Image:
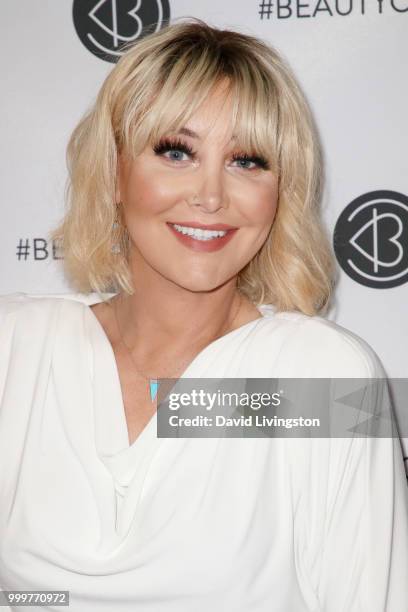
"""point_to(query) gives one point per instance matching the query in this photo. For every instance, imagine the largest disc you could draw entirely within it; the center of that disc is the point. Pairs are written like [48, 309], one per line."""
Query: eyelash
[165, 145]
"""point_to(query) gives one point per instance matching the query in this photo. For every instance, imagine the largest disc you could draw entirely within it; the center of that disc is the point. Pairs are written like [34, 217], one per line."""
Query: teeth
[198, 234]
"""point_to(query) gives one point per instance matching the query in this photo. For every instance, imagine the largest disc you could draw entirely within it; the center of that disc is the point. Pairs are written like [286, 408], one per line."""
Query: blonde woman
[192, 221]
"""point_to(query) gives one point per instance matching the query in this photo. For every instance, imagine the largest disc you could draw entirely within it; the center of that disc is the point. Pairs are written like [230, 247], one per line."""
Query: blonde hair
[157, 85]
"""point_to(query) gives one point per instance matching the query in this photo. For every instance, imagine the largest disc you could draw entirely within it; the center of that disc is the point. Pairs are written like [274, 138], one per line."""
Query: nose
[209, 189]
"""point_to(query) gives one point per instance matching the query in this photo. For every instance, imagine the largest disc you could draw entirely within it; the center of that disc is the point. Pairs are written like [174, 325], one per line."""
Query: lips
[196, 225]
[204, 246]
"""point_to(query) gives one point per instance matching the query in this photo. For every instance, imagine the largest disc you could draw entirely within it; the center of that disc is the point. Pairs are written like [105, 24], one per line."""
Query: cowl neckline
[89, 398]
[105, 361]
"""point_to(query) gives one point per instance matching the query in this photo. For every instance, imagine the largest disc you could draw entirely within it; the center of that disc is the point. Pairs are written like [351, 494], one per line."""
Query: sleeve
[362, 558]
[21, 326]
[9, 305]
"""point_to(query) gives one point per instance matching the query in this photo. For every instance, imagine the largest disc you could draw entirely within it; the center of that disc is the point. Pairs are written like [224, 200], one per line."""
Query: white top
[187, 524]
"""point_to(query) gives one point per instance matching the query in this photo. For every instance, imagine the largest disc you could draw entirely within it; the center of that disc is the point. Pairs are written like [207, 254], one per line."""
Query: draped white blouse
[189, 524]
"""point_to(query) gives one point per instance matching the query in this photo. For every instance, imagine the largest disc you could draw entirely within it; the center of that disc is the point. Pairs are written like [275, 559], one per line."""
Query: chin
[198, 284]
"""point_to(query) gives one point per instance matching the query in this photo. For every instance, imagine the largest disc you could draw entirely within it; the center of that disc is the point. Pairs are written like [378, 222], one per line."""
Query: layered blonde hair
[156, 85]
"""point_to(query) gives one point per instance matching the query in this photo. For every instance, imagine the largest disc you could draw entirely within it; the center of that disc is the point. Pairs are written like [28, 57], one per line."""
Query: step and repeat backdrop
[350, 58]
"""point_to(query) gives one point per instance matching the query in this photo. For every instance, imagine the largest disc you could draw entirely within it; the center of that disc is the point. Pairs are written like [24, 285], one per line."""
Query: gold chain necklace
[153, 382]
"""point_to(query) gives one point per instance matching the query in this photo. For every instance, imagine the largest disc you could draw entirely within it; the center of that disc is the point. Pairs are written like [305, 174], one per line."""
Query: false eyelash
[168, 144]
[257, 159]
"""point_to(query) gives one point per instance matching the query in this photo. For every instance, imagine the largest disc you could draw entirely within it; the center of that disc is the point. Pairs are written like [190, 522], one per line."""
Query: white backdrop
[350, 58]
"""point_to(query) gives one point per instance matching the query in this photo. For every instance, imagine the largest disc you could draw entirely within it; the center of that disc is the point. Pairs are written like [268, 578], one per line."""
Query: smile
[202, 240]
[198, 234]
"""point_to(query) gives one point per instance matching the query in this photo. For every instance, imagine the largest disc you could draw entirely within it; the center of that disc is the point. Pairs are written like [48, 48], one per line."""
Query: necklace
[153, 382]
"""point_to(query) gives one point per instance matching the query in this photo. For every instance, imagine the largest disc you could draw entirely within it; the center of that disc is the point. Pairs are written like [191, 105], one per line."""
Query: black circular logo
[104, 26]
[371, 239]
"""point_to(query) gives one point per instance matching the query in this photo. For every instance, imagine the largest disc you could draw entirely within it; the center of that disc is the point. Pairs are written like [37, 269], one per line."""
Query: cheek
[264, 200]
[150, 193]
[268, 208]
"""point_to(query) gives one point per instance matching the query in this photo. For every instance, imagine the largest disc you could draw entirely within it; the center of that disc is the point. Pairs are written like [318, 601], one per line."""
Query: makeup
[202, 238]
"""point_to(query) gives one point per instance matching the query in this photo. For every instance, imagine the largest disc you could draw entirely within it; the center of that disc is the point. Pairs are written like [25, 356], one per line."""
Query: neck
[162, 316]
[154, 320]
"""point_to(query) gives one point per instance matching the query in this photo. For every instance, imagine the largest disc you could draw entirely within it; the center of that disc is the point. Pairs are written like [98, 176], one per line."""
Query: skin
[184, 299]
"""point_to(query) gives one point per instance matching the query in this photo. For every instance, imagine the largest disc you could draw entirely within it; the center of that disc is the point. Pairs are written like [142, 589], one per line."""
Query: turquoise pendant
[153, 388]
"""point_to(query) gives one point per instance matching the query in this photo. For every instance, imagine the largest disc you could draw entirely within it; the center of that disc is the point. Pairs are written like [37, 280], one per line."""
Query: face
[197, 178]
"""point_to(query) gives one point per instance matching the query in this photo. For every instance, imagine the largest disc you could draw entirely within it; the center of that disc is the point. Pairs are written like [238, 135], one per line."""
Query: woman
[193, 195]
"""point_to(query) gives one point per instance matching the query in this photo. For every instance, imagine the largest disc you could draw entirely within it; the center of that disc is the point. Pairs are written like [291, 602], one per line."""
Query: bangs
[186, 84]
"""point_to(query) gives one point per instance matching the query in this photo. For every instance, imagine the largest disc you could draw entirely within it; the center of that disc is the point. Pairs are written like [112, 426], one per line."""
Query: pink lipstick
[204, 238]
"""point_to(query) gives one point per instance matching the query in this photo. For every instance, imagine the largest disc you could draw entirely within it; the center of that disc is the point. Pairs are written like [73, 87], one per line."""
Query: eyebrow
[192, 134]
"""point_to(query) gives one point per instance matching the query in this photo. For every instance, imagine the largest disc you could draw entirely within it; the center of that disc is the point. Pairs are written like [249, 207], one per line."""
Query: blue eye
[175, 148]
[260, 162]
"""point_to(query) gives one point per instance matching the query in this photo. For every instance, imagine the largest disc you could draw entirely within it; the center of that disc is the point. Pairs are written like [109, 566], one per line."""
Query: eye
[250, 162]
[173, 149]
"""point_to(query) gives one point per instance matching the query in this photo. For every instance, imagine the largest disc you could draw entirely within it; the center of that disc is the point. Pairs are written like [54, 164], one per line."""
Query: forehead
[211, 120]
[227, 112]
